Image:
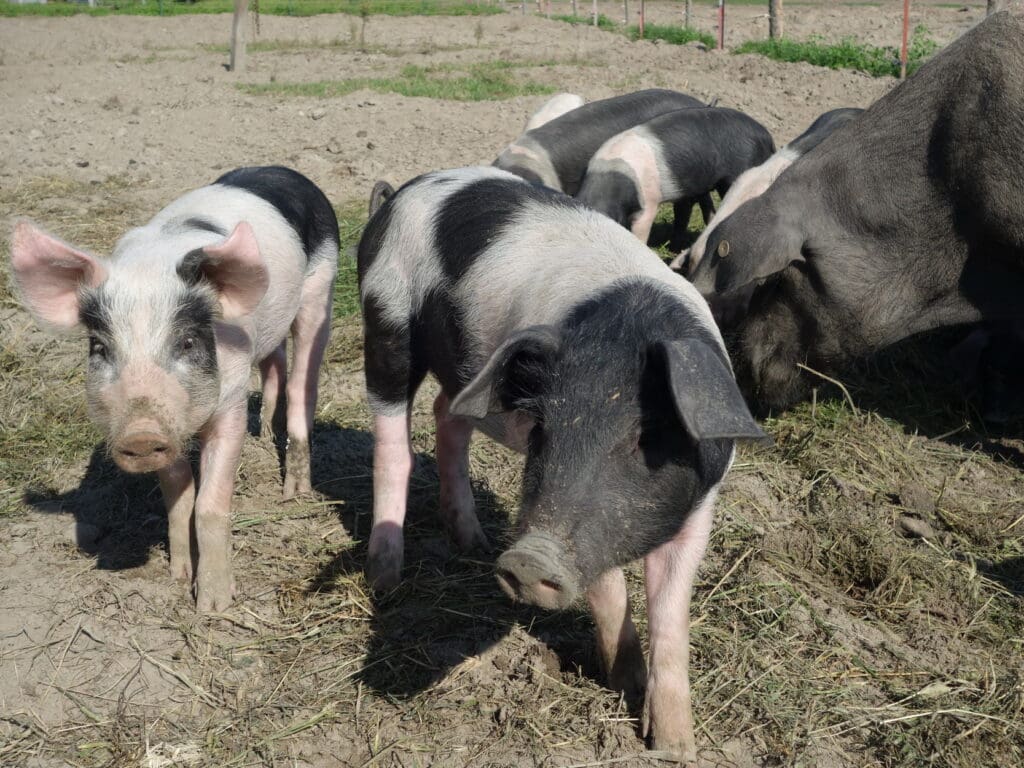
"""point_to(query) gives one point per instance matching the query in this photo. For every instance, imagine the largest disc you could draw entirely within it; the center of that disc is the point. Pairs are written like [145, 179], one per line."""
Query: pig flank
[907, 220]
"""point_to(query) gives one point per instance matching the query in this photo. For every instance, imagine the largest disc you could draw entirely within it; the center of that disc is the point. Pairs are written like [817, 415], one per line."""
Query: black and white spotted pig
[555, 331]
[556, 154]
[755, 181]
[176, 318]
[678, 157]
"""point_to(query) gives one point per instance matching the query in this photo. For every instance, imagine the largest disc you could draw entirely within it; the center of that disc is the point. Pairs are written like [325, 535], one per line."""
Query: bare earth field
[861, 602]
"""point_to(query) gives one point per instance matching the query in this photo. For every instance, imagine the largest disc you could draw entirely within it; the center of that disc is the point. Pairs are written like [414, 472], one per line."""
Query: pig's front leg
[392, 466]
[669, 571]
[178, 487]
[618, 645]
[458, 510]
[221, 448]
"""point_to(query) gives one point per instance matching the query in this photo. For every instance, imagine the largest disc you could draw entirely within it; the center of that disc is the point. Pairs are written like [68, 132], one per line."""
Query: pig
[554, 107]
[908, 219]
[379, 194]
[175, 319]
[755, 181]
[678, 157]
[556, 154]
[556, 332]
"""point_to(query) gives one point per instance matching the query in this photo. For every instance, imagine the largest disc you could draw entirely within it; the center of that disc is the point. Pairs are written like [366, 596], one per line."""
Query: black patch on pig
[471, 219]
[373, 236]
[392, 375]
[205, 225]
[94, 313]
[612, 193]
[438, 341]
[192, 338]
[190, 268]
[299, 200]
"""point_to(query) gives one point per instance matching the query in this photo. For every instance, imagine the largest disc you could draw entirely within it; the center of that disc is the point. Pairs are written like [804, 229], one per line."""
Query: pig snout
[144, 449]
[534, 571]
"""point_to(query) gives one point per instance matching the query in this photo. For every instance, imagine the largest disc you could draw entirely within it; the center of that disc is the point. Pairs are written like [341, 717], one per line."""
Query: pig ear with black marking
[705, 393]
[49, 273]
[235, 268]
[507, 375]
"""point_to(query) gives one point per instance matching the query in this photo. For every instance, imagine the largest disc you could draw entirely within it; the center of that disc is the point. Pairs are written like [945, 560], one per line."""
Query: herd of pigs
[528, 290]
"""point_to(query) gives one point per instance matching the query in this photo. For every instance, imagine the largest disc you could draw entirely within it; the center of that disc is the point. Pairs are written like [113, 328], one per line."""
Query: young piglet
[677, 157]
[556, 153]
[755, 181]
[556, 332]
[176, 318]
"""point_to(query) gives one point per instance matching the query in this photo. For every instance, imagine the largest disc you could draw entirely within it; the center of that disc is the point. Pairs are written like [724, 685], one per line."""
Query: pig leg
[670, 570]
[221, 448]
[178, 487]
[681, 211]
[311, 330]
[707, 207]
[622, 658]
[273, 371]
[457, 506]
[392, 467]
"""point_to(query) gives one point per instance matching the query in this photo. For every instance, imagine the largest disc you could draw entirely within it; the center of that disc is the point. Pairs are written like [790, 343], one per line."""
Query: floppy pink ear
[48, 274]
[238, 272]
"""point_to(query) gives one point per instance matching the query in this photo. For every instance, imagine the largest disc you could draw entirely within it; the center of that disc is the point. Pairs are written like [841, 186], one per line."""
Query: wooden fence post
[241, 18]
[687, 13]
[721, 25]
[775, 19]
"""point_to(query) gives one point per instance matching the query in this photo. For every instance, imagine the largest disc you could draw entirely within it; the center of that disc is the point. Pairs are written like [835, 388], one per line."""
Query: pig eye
[186, 344]
[97, 348]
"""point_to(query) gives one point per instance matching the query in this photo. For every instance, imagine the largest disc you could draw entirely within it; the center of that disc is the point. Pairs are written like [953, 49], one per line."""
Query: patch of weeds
[351, 220]
[603, 22]
[480, 82]
[847, 54]
[673, 35]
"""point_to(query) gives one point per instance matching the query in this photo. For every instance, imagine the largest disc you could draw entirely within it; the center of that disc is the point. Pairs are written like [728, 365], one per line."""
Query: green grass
[351, 220]
[847, 54]
[603, 22]
[670, 34]
[268, 7]
[478, 82]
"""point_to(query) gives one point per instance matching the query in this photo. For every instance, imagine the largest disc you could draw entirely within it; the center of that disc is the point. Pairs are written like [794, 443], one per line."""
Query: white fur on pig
[554, 107]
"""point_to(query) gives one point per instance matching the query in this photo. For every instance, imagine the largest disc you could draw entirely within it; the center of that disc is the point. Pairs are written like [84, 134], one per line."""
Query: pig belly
[510, 429]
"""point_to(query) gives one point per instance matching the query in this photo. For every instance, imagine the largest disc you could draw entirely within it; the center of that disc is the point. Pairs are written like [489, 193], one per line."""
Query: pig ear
[236, 269]
[705, 392]
[48, 274]
[381, 193]
[498, 382]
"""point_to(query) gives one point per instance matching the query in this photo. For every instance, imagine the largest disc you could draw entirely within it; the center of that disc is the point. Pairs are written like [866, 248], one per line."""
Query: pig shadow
[1009, 573]
[448, 607]
[119, 518]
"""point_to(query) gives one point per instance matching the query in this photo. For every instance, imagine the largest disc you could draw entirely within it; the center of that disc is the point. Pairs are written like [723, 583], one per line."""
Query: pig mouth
[535, 571]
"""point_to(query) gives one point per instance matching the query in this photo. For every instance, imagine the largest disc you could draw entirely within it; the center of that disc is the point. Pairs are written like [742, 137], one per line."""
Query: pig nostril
[509, 580]
[160, 449]
[553, 586]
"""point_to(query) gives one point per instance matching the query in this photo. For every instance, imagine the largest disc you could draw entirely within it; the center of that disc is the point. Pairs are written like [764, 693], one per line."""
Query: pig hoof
[679, 751]
[294, 488]
[209, 602]
[296, 469]
[181, 571]
[468, 535]
[383, 573]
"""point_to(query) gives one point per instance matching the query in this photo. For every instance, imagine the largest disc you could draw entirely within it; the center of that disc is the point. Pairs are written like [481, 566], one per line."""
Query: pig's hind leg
[669, 575]
[311, 331]
[457, 507]
[391, 384]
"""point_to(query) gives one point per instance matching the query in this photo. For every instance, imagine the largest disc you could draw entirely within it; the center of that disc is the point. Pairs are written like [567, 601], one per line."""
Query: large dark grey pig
[176, 318]
[908, 219]
[678, 157]
[755, 181]
[558, 333]
[556, 154]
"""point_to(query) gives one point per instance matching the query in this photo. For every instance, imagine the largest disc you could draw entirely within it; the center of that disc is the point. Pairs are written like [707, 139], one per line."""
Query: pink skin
[458, 510]
[311, 330]
[179, 491]
[670, 571]
[637, 153]
[274, 374]
[618, 645]
[392, 466]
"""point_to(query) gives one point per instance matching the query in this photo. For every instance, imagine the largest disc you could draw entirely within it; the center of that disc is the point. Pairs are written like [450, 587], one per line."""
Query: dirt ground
[861, 601]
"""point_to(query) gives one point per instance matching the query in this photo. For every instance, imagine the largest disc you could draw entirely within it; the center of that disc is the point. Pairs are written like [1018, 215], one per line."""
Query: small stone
[370, 145]
[318, 113]
[34, 134]
[360, 134]
[82, 163]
